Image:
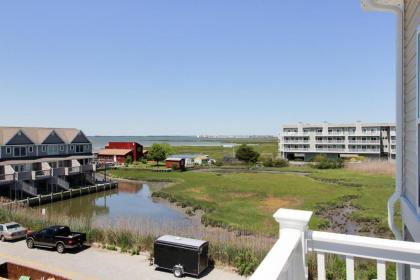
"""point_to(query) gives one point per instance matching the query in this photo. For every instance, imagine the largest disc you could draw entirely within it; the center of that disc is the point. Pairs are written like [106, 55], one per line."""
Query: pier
[63, 195]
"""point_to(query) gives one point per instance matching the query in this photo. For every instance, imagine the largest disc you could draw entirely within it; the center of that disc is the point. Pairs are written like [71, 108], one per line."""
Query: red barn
[178, 162]
[114, 155]
[136, 148]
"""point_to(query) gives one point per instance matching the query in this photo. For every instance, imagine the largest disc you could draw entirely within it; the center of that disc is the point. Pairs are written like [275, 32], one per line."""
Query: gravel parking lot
[93, 263]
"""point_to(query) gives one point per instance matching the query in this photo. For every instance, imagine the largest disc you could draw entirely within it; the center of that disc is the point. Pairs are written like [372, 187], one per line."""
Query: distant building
[194, 159]
[136, 148]
[37, 160]
[304, 141]
[174, 161]
[118, 152]
[118, 156]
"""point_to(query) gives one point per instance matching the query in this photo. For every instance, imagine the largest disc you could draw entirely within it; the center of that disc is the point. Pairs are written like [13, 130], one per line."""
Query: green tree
[247, 154]
[128, 160]
[158, 152]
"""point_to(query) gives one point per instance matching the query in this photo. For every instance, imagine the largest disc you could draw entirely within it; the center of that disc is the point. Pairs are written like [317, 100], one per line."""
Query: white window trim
[417, 71]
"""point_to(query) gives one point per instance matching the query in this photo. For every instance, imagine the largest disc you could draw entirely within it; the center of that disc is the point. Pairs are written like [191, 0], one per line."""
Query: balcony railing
[364, 150]
[286, 260]
[377, 142]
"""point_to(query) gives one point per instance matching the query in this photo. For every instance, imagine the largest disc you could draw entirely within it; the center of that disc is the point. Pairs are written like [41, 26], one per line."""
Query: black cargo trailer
[181, 255]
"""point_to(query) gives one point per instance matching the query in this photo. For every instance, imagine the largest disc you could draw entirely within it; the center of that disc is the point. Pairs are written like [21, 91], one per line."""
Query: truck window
[63, 231]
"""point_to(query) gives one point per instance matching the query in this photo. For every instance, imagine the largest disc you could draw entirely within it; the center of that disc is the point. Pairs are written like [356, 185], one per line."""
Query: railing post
[296, 220]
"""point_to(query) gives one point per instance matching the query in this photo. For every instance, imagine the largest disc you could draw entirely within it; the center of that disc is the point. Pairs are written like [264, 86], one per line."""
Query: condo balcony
[287, 259]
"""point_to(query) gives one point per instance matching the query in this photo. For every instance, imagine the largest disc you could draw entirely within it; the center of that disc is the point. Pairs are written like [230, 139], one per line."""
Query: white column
[296, 220]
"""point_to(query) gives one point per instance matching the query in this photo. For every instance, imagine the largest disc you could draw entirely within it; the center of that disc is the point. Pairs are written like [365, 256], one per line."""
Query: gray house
[43, 160]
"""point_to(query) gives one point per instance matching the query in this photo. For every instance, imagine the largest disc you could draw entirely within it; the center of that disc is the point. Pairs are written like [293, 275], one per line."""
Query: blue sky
[187, 67]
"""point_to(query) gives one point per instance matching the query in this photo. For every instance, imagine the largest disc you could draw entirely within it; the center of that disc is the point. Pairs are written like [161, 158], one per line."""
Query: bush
[268, 162]
[175, 166]
[218, 163]
[247, 153]
[330, 164]
[246, 263]
[281, 162]
[320, 158]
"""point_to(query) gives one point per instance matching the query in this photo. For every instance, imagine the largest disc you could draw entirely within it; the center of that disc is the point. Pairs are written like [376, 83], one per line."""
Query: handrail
[364, 247]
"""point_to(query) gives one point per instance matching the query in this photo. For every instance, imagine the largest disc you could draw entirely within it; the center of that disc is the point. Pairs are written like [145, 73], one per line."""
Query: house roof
[37, 135]
[114, 152]
[173, 159]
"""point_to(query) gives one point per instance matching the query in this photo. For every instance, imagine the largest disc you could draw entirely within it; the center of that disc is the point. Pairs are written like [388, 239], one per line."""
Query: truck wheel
[178, 271]
[30, 243]
[60, 248]
[2, 238]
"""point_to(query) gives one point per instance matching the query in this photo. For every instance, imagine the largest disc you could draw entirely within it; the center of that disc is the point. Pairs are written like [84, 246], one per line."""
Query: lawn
[246, 201]
[268, 148]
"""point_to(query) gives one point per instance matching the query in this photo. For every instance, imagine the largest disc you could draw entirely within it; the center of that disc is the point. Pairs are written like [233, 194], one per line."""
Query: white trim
[418, 117]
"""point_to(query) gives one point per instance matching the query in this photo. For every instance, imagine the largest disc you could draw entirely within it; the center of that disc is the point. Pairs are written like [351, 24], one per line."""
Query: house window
[71, 147]
[44, 149]
[19, 151]
[30, 149]
[8, 150]
[61, 148]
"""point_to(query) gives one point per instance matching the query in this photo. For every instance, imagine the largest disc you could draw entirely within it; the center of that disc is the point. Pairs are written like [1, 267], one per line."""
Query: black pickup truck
[58, 237]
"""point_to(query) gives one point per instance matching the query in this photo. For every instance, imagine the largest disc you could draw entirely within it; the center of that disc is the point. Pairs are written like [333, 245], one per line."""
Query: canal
[130, 202]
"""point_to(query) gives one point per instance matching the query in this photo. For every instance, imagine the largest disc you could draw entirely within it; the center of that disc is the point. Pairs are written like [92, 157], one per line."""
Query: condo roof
[313, 125]
[114, 152]
[37, 135]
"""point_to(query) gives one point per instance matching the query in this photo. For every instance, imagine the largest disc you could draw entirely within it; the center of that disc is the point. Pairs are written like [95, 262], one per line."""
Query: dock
[63, 195]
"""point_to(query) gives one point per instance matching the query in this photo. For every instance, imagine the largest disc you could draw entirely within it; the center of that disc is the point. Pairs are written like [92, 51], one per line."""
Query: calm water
[99, 142]
[131, 202]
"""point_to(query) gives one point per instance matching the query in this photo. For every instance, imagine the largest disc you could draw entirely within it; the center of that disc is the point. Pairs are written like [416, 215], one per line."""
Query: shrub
[218, 163]
[246, 263]
[320, 158]
[175, 166]
[281, 162]
[268, 162]
[330, 164]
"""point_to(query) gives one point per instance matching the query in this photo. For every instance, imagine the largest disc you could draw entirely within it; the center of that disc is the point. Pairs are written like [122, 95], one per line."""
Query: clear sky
[187, 67]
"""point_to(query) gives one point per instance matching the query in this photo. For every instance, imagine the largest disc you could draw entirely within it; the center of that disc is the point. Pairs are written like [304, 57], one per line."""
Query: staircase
[27, 188]
[62, 183]
[90, 178]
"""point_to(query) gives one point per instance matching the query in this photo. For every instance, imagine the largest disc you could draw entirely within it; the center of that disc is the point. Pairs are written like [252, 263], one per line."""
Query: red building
[178, 162]
[136, 148]
[114, 155]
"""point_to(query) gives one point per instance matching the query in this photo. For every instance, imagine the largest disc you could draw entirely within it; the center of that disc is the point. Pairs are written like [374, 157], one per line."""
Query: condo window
[61, 148]
[44, 149]
[30, 149]
[8, 150]
[71, 147]
[19, 152]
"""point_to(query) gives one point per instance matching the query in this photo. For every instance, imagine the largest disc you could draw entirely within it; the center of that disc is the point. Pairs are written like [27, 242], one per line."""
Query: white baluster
[320, 259]
[350, 268]
[381, 270]
[415, 272]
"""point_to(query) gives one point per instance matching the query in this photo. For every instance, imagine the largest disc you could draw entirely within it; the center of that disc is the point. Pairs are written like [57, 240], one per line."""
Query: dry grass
[381, 167]
[134, 236]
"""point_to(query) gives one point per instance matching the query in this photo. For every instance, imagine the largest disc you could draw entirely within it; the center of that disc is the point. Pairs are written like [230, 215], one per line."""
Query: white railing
[286, 260]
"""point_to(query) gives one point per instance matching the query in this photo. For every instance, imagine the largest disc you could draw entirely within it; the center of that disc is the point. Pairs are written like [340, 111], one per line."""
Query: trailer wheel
[178, 271]
[60, 248]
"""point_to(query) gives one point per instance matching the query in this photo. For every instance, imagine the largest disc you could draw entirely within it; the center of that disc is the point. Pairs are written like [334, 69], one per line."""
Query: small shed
[174, 161]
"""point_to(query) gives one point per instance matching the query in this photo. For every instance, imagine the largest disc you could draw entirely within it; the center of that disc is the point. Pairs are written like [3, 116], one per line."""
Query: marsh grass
[134, 236]
[381, 167]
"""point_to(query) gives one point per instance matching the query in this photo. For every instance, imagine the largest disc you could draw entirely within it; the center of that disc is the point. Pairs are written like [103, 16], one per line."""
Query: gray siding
[410, 158]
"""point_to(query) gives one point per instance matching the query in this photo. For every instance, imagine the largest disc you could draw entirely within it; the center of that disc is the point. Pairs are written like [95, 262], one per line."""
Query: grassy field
[268, 148]
[246, 201]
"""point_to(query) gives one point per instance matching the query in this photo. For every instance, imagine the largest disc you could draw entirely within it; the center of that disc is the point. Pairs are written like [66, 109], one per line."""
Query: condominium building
[37, 161]
[304, 141]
